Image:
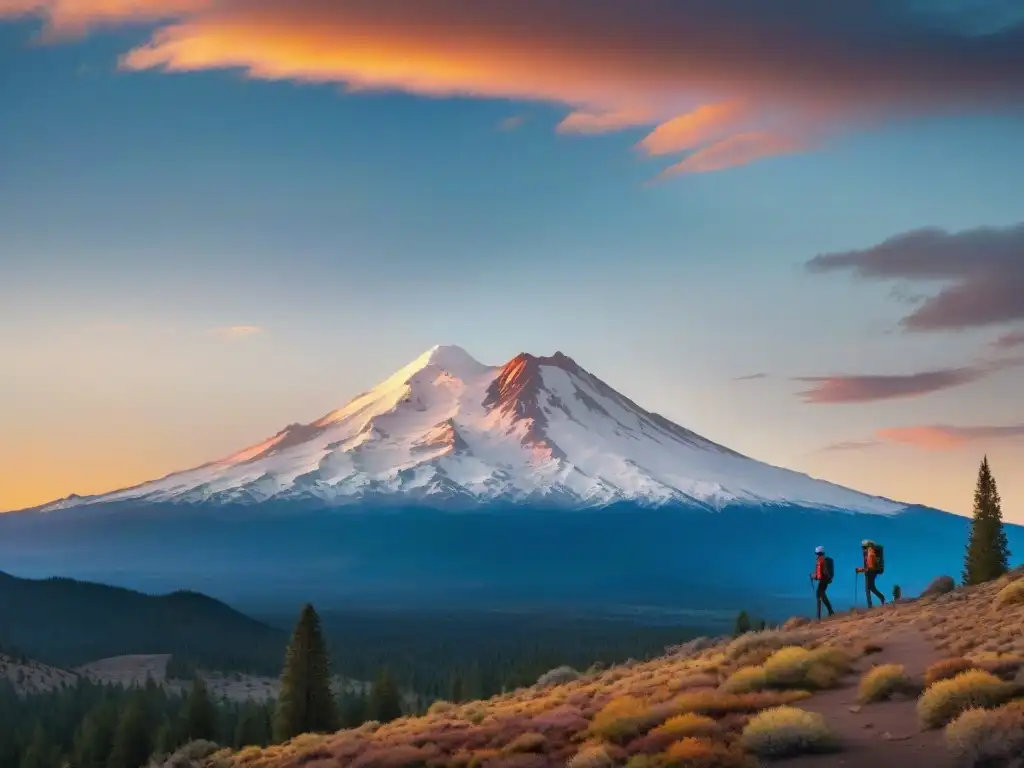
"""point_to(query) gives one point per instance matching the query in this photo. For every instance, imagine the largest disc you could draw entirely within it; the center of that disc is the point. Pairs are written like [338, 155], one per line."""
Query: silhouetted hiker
[873, 566]
[824, 571]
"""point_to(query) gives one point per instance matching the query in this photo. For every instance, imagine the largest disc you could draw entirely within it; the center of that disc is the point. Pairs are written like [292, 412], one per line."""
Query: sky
[796, 228]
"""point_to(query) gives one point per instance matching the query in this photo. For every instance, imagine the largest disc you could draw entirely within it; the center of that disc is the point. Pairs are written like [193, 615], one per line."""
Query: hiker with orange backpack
[824, 571]
[874, 565]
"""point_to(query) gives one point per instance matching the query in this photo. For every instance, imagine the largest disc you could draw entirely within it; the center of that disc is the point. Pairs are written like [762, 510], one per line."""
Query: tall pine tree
[199, 715]
[988, 551]
[385, 699]
[306, 703]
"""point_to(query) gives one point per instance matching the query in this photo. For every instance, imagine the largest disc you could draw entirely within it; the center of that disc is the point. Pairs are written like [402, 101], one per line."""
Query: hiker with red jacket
[824, 571]
[873, 566]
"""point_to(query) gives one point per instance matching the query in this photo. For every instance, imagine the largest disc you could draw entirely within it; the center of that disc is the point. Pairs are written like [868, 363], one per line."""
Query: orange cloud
[582, 121]
[68, 18]
[692, 129]
[614, 64]
[944, 437]
[741, 149]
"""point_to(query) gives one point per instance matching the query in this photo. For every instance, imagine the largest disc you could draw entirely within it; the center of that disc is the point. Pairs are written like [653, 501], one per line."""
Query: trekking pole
[856, 584]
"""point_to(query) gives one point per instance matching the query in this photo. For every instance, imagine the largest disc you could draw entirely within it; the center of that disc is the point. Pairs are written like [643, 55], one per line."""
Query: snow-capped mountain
[446, 427]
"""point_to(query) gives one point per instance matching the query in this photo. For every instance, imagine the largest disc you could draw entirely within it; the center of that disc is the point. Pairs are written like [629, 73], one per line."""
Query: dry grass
[883, 682]
[787, 731]
[983, 737]
[704, 753]
[746, 680]
[946, 699]
[624, 718]
[1011, 594]
[688, 724]
[676, 710]
[796, 667]
[946, 668]
[592, 756]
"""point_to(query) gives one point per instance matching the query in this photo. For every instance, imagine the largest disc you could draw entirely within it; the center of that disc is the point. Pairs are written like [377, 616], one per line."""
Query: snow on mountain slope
[536, 429]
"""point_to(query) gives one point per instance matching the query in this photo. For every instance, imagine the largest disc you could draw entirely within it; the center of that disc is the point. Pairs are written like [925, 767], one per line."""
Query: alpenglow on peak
[448, 430]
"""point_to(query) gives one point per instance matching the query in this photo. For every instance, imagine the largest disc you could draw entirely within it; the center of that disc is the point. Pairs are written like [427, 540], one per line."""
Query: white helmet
[819, 550]
[867, 543]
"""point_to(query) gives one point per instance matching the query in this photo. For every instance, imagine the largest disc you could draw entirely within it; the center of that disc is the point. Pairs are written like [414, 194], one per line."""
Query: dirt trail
[886, 734]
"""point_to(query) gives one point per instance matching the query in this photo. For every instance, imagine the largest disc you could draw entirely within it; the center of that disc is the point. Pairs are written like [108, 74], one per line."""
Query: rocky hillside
[868, 688]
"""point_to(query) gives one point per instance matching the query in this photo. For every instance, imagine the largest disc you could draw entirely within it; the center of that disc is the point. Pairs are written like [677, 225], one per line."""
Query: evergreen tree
[306, 703]
[988, 551]
[39, 753]
[458, 689]
[166, 739]
[94, 739]
[353, 710]
[385, 700]
[132, 742]
[742, 625]
[199, 716]
[253, 727]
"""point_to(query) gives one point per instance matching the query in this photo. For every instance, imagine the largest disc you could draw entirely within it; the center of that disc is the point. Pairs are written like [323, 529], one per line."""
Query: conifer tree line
[107, 726]
[988, 551]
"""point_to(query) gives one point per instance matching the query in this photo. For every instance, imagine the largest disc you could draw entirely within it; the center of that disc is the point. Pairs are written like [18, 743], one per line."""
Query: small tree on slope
[306, 703]
[988, 551]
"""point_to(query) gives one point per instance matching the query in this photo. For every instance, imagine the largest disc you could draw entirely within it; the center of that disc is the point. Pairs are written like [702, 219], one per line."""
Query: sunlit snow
[425, 431]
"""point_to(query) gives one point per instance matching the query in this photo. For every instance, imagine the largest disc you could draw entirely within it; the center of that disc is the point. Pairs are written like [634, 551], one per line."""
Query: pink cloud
[585, 122]
[934, 437]
[740, 149]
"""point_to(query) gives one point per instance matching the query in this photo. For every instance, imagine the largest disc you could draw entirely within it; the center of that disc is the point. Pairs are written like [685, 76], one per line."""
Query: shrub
[718, 703]
[687, 724]
[940, 586]
[769, 639]
[796, 667]
[981, 737]
[946, 699]
[526, 742]
[591, 756]
[1004, 667]
[882, 682]
[1011, 594]
[441, 707]
[946, 668]
[786, 731]
[557, 676]
[191, 755]
[623, 718]
[745, 680]
[696, 680]
[704, 753]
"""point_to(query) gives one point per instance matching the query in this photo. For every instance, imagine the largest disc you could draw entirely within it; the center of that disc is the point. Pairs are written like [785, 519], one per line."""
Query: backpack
[880, 551]
[829, 571]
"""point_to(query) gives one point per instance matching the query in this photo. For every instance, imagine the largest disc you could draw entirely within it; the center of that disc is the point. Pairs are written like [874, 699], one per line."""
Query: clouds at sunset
[933, 437]
[792, 72]
[850, 389]
[979, 274]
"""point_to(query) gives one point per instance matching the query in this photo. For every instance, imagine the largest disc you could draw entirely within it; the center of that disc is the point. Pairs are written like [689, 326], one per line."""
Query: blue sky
[143, 210]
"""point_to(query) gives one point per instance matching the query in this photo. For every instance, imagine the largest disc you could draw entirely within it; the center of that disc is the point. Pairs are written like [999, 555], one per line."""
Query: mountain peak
[447, 426]
[446, 357]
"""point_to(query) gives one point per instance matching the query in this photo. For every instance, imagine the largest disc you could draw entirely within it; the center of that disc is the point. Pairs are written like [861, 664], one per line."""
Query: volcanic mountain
[456, 484]
[448, 430]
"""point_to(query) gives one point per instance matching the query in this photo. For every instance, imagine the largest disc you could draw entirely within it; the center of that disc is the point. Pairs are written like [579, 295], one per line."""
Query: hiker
[873, 566]
[824, 571]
